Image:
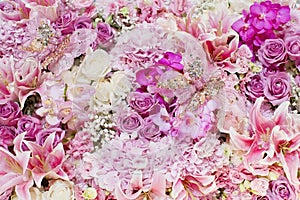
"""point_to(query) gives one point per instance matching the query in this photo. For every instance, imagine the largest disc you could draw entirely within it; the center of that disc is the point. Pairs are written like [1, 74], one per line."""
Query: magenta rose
[82, 23]
[272, 52]
[31, 125]
[129, 122]
[293, 46]
[42, 135]
[150, 131]
[9, 113]
[255, 87]
[278, 88]
[104, 33]
[7, 136]
[64, 23]
[281, 189]
[141, 102]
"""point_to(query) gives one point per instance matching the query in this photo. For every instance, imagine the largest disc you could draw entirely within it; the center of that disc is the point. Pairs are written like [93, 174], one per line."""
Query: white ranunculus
[95, 65]
[59, 189]
[120, 84]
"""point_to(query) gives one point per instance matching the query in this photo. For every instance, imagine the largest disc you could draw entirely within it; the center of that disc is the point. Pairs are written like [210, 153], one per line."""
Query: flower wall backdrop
[149, 100]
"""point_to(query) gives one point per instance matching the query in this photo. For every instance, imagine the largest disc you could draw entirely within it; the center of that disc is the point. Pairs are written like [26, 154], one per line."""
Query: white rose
[103, 91]
[95, 65]
[59, 189]
[35, 194]
[120, 84]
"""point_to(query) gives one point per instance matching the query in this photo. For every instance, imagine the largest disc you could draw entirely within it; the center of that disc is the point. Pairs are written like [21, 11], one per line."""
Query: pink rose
[7, 135]
[42, 135]
[82, 23]
[278, 88]
[64, 23]
[281, 189]
[30, 125]
[255, 87]
[293, 46]
[10, 113]
[78, 4]
[13, 10]
[272, 52]
[104, 33]
[150, 131]
[140, 102]
[129, 122]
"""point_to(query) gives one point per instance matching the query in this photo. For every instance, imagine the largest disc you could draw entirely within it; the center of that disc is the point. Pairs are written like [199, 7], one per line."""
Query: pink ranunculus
[7, 135]
[255, 87]
[277, 89]
[272, 52]
[260, 186]
[281, 189]
[140, 102]
[293, 46]
[10, 113]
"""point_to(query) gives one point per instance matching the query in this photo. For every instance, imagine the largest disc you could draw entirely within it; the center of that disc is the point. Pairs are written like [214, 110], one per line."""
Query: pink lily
[156, 190]
[275, 139]
[14, 170]
[46, 160]
[287, 150]
[193, 187]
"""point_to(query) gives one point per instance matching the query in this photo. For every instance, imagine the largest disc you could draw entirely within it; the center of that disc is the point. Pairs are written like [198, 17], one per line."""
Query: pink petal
[120, 195]
[240, 141]
[290, 163]
[159, 184]
[22, 190]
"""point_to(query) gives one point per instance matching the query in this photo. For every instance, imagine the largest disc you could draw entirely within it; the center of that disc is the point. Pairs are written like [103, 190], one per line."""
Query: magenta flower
[245, 30]
[104, 33]
[263, 15]
[148, 76]
[30, 125]
[7, 135]
[172, 60]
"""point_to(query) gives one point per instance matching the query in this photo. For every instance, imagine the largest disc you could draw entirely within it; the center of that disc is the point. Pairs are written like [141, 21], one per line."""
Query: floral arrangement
[149, 100]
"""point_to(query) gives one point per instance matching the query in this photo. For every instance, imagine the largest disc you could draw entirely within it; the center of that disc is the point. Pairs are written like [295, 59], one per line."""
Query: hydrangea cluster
[149, 99]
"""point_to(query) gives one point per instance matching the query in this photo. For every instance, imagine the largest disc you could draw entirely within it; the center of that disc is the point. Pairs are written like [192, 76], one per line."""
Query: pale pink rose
[260, 186]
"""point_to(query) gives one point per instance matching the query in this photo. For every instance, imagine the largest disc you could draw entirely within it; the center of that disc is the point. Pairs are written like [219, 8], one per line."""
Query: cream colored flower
[120, 84]
[94, 66]
[103, 92]
[35, 194]
[59, 189]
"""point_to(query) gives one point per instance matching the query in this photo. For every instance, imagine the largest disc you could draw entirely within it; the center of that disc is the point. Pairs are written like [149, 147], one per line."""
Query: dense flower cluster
[140, 100]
